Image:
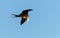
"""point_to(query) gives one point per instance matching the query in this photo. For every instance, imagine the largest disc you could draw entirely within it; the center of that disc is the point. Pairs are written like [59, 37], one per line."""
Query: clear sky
[44, 19]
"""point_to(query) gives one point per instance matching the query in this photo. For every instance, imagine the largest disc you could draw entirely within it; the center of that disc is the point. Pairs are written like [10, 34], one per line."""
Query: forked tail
[16, 15]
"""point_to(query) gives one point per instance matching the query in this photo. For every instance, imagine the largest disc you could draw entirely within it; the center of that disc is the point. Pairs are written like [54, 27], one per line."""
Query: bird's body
[24, 15]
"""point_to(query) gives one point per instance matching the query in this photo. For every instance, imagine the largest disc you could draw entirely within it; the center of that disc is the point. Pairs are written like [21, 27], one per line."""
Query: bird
[24, 15]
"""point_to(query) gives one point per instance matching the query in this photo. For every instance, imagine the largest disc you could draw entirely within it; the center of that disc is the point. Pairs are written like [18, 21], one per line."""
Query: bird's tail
[16, 15]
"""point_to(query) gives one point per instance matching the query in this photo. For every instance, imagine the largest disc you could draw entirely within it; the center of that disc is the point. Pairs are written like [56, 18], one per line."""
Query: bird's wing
[25, 12]
[23, 20]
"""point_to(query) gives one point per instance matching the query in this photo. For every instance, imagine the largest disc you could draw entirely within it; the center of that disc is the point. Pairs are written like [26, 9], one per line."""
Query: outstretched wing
[25, 12]
[23, 20]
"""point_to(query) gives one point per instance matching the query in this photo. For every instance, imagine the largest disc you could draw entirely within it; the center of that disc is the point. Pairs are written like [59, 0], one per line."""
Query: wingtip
[21, 24]
[30, 9]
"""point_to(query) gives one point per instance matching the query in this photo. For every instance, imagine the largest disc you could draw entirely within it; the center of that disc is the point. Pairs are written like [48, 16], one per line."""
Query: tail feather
[16, 15]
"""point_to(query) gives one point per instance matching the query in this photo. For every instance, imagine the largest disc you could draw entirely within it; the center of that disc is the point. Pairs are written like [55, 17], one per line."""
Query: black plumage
[24, 15]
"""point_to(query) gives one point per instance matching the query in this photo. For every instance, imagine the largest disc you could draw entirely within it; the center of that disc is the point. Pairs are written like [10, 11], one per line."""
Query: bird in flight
[24, 15]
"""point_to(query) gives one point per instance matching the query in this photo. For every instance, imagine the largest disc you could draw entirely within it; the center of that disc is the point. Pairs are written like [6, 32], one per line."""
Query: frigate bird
[24, 15]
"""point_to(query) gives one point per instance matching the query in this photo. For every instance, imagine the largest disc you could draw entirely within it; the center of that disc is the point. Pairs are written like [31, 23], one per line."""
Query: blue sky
[44, 19]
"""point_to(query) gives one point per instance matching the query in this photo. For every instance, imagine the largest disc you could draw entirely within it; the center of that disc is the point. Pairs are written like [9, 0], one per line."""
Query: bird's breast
[26, 17]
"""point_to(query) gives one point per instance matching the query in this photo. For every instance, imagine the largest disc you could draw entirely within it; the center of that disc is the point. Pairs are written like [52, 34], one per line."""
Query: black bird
[24, 15]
